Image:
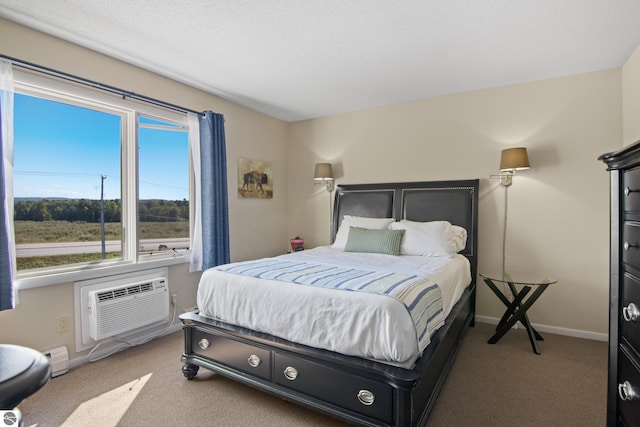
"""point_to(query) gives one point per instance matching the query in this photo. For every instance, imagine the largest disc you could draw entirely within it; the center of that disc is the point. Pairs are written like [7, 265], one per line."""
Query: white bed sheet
[331, 319]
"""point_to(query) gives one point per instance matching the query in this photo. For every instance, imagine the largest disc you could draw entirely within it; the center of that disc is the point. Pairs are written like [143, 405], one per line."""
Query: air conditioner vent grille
[123, 292]
[118, 309]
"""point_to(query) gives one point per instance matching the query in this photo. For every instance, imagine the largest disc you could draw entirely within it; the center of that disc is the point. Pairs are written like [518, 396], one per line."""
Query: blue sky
[62, 151]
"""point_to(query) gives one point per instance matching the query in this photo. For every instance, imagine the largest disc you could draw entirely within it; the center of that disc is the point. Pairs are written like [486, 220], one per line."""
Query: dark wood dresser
[623, 388]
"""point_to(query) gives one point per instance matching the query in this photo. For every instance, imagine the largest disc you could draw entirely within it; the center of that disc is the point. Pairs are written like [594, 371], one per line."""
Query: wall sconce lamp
[324, 175]
[512, 160]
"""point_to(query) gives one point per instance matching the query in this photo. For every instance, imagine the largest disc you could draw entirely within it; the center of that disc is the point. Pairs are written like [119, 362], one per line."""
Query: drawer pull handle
[628, 245]
[254, 360]
[628, 191]
[366, 397]
[630, 313]
[626, 392]
[290, 373]
[204, 343]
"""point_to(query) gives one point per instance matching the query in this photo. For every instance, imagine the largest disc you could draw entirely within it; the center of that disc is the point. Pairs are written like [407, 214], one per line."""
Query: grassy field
[27, 263]
[66, 231]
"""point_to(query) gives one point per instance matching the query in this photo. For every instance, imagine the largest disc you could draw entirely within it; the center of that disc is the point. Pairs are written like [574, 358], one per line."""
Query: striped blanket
[420, 295]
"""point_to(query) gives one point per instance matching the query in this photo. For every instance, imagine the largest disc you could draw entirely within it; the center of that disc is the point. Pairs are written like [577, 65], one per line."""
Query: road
[47, 249]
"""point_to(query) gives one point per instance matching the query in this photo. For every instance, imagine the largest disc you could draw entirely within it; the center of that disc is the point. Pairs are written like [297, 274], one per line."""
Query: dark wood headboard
[453, 201]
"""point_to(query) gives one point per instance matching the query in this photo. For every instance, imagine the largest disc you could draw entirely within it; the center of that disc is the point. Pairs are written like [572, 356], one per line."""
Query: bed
[390, 386]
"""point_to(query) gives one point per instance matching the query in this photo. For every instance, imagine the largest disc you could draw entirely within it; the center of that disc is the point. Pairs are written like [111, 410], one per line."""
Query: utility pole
[104, 252]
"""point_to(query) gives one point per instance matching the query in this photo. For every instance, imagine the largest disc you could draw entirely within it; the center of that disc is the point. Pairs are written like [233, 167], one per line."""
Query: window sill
[43, 280]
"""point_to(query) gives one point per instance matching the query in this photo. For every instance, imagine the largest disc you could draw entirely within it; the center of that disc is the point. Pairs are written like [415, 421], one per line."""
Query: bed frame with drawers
[359, 391]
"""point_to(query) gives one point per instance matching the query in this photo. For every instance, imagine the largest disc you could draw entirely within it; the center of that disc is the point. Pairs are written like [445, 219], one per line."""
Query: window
[97, 180]
[163, 189]
[66, 183]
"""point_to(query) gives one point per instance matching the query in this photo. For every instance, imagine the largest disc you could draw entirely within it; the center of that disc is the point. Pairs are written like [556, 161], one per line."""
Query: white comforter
[360, 324]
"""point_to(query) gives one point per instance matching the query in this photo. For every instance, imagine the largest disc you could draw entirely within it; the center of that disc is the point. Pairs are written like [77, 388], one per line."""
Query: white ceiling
[300, 59]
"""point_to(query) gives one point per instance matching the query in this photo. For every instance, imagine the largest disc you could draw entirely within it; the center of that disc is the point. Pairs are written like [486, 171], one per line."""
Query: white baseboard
[78, 361]
[596, 336]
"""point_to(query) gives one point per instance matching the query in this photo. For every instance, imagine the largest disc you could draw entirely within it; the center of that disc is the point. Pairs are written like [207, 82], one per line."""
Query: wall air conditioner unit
[118, 309]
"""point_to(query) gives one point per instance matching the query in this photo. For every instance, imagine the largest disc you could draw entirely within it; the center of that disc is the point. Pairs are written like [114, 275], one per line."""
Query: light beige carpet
[504, 384]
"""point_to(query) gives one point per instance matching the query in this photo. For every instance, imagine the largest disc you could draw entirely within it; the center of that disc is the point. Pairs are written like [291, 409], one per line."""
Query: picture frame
[255, 179]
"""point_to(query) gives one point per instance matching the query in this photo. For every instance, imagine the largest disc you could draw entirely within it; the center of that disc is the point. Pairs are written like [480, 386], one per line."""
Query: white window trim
[57, 278]
[57, 90]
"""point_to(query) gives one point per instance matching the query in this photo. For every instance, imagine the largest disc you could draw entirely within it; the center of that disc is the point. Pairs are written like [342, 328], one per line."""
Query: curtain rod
[97, 85]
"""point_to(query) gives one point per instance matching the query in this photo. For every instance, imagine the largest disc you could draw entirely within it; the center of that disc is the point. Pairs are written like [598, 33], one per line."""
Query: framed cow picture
[255, 179]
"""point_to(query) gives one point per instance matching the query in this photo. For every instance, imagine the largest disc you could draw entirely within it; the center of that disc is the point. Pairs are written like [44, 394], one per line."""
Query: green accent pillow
[374, 241]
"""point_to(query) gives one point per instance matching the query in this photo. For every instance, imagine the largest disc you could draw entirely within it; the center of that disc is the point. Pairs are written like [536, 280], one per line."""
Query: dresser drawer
[367, 397]
[630, 311]
[244, 357]
[631, 190]
[631, 243]
[628, 385]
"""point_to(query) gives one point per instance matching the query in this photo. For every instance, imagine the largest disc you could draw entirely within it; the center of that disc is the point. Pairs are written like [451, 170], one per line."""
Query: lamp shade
[323, 171]
[514, 159]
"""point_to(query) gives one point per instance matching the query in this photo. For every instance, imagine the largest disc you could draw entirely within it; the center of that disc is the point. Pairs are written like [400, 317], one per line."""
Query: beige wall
[558, 210]
[248, 133]
[631, 98]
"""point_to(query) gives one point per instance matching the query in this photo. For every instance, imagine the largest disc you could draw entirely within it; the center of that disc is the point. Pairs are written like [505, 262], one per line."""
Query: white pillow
[433, 238]
[459, 237]
[360, 222]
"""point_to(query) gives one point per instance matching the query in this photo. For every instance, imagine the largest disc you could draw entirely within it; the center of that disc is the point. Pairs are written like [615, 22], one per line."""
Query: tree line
[89, 210]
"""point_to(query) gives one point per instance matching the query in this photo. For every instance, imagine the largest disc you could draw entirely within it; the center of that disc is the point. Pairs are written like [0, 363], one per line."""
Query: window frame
[129, 110]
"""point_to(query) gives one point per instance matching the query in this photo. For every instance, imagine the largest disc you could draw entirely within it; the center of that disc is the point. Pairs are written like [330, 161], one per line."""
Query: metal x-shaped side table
[517, 309]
